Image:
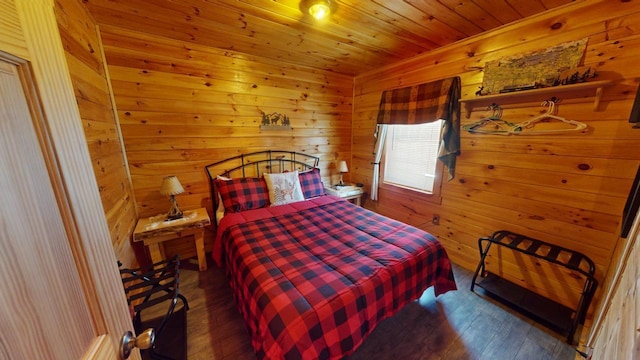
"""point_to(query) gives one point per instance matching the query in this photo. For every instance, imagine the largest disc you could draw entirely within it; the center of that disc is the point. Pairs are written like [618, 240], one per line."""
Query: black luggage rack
[550, 313]
[151, 288]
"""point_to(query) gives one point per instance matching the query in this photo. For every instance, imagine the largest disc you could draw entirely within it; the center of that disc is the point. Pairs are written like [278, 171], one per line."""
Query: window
[410, 156]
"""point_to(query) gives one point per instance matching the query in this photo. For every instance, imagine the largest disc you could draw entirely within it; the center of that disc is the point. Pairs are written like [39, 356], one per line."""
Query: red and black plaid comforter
[312, 279]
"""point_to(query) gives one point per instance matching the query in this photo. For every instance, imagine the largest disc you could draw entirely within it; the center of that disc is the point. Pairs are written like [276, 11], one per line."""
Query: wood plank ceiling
[359, 36]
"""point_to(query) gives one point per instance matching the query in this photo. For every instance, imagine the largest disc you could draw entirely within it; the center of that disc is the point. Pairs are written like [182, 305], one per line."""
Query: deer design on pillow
[285, 191]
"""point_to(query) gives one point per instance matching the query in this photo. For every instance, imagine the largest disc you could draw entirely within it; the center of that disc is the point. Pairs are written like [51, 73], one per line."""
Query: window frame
[434, 197]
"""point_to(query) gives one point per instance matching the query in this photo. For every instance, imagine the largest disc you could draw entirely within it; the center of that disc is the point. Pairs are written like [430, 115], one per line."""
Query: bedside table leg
[202, 259]
[156, 251]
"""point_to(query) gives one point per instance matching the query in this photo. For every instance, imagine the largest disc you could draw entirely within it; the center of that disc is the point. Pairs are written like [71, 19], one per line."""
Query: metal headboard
[257, 163]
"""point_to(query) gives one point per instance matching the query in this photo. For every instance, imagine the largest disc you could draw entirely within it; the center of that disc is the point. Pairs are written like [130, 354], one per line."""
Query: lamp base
[174, 216]
[175, 212]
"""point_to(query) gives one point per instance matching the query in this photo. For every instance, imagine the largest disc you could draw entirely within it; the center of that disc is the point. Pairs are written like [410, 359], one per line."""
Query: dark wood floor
[457, 325]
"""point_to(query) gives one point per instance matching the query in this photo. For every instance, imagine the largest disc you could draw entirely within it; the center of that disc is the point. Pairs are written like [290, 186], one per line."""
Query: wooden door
[46, 309]
[61, 296]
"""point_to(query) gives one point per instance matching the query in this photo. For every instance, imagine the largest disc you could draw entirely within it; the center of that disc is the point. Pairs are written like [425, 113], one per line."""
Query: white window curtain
[381, 133]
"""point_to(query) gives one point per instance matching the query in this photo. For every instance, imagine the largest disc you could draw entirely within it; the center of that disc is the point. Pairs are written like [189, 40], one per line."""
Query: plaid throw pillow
[243, 194]
[311, 183]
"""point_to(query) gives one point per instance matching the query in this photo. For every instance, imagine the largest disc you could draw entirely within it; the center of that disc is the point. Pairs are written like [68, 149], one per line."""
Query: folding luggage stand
[155, 285]
[550, 313]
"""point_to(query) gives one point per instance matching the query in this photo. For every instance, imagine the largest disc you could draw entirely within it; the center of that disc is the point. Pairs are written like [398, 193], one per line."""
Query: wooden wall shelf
[539, 94]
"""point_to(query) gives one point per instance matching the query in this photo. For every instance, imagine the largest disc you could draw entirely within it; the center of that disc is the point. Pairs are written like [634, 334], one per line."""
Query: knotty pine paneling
[358, 37]
[84, 58]
[566, 189]
[182, 106]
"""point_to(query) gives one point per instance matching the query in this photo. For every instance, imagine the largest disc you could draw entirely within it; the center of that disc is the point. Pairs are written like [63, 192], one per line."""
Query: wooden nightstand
[156, 229]
[348, 192]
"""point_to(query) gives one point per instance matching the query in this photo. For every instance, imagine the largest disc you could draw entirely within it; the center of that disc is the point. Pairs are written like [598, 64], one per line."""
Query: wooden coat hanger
[528, 127]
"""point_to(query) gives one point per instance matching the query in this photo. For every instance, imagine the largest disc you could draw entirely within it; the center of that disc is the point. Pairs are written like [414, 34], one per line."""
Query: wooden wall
[182, 106]
[565, 189]
[85, 61]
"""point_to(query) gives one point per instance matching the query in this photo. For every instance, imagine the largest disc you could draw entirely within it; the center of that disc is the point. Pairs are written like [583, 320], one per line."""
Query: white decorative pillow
[284, 188]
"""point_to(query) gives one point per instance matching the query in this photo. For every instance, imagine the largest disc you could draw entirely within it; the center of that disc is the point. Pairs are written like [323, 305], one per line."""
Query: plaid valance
[426, 103]
[420, 103]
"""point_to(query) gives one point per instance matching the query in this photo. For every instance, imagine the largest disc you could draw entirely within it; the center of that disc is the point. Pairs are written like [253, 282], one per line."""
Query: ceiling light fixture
[320, 9]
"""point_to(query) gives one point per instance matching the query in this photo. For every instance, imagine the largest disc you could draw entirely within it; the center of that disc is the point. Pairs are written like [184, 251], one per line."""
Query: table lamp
[171, 187]
[342, 168]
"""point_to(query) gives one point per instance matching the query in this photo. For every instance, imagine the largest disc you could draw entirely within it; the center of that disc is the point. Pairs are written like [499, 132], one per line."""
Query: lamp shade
[342, 166]
[171, 186]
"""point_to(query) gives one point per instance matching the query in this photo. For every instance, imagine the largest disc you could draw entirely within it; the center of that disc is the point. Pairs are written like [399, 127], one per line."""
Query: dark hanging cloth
[425, 103]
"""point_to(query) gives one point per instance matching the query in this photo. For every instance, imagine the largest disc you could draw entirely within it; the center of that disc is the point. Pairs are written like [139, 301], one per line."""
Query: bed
[313, 277]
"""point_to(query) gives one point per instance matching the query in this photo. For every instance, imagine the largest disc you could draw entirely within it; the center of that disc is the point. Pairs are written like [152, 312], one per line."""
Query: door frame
[49, 91]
